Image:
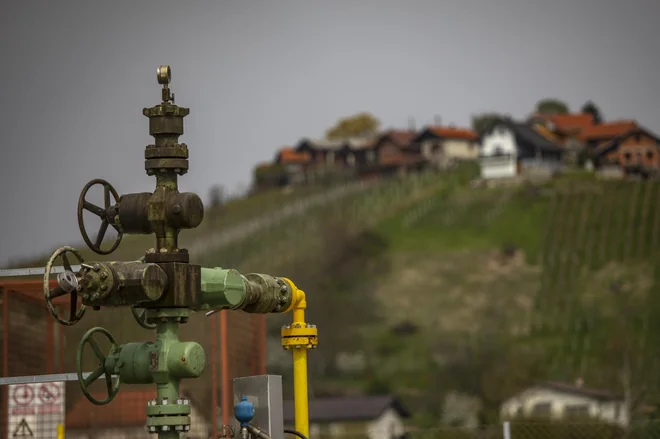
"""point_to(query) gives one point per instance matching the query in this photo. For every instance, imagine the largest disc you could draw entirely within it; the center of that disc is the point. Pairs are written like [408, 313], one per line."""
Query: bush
[578, 429]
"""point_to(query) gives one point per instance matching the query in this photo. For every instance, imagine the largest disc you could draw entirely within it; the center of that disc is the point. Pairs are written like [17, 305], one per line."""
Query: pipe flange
[181, 255]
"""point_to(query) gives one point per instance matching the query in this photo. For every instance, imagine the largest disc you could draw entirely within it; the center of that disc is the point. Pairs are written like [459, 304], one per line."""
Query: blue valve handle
[244, 412]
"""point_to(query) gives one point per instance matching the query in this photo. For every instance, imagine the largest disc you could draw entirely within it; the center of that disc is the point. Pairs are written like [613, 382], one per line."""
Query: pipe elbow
[298, 298]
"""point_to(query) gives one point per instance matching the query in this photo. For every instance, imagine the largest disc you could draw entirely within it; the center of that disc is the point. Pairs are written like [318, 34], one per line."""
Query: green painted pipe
[253, 292]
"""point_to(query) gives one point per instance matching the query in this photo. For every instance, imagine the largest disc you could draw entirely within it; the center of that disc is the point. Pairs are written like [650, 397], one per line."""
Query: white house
[372, 417]
[561, 401]
[444, 145]
[509, 149]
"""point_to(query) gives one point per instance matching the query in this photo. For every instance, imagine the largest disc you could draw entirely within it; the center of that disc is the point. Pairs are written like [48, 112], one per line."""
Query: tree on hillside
[551, 106]
[590, 108]
[216, 196]
[481, 122]
[358, 125]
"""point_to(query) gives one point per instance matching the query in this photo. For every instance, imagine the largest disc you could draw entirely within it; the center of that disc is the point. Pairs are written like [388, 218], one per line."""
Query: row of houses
[550, 144]
[506, 148]
[387, 153]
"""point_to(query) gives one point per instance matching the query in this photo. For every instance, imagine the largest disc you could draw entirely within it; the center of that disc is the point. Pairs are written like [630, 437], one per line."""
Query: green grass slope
[425, 284]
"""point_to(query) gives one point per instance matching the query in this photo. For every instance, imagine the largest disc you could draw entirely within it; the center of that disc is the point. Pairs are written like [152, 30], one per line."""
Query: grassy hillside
[426, 284]
[548, 281]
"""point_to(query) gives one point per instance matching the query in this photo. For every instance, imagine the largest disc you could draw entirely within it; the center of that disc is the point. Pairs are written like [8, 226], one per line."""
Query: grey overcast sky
[257, 75]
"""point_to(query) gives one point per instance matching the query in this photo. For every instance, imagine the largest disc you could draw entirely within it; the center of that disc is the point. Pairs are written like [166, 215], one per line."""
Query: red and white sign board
[35, 410]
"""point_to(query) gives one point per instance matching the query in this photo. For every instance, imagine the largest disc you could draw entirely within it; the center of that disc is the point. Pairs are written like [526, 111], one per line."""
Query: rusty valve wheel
[67, 284]
[106, 213]
[101, 370]
[140, 315]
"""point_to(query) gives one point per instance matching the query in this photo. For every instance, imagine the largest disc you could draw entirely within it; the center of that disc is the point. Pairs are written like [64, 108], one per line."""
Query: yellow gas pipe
[299, 337]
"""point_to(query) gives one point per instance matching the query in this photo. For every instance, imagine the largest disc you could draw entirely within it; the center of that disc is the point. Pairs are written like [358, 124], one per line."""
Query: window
[649, 155]
[627, 156]
[577, 411]
[542, 409]
[498, 150]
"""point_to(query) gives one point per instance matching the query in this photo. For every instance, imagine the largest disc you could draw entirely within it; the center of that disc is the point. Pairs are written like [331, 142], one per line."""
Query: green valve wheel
[102, 369]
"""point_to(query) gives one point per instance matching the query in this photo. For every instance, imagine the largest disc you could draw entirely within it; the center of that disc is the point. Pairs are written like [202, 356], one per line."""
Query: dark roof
[614, 143]
[448, 132]
[361, 408]
[401, 138]
[601, 395]
[527, 135]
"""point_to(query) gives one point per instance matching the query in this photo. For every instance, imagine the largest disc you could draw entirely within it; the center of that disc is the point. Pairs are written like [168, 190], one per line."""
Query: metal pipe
[60, 341]
[167, 330]
[299, 337]
[32, 379]
[39, 271]
[262, 345]
[214, 377]
[300, 391]
[224, 364]
[50, 354]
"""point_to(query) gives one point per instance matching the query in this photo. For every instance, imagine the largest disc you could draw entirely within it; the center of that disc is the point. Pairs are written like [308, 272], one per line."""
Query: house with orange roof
[124, 417]
[444, 145]
[636, 152]
[593, 136]
[563, 129]
[294, 164]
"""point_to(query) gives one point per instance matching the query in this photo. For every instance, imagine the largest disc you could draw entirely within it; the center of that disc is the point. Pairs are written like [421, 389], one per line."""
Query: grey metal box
[265, 392]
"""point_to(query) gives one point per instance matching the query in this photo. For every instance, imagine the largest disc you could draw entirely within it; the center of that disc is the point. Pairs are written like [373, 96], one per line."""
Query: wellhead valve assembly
[163, 288]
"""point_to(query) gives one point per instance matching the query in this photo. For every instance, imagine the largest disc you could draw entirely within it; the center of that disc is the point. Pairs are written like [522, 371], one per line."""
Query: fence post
[214, 377]
[506, 428]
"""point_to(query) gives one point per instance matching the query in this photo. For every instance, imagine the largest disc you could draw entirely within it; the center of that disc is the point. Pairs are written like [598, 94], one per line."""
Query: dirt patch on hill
[460, 291]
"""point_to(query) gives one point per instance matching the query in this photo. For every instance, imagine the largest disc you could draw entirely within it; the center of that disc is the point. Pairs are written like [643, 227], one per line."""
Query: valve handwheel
[67, 283]
[101, 370]
[107, 218]
[140, 315]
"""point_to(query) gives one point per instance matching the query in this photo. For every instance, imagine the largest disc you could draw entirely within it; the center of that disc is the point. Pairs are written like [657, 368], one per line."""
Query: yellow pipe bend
[299, 338]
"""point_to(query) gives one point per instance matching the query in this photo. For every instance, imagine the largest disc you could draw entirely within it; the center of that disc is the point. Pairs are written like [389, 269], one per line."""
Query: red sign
[23, 395]
[49, 393]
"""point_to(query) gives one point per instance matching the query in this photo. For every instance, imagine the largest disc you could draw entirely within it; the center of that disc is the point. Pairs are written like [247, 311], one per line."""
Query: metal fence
[505, 430]
[32, 343]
